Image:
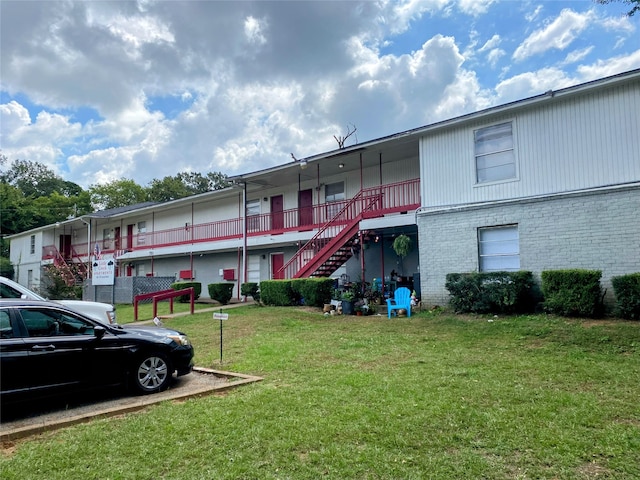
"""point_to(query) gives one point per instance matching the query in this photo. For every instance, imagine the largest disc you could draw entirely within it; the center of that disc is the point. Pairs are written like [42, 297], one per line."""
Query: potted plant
[402, 247]
[348, 297]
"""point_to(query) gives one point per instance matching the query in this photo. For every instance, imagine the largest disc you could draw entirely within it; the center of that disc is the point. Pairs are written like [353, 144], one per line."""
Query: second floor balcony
[392, 198]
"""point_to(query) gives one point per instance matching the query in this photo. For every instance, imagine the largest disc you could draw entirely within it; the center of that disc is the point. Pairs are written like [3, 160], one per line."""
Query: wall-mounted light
[303, 164]
[341, 165]
[265, 199]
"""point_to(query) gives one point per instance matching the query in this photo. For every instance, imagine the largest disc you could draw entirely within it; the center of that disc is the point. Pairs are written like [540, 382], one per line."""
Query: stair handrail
[333, 222]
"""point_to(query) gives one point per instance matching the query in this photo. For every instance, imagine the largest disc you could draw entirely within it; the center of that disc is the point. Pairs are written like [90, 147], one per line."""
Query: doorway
[277, 262]
[277, 212]
[305, 207]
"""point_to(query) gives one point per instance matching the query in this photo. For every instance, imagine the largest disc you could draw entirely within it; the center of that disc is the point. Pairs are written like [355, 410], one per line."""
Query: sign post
[221, 316]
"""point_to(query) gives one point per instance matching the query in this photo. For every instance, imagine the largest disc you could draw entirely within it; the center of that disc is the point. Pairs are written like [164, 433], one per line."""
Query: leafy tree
[12, 204]
[35, 179]
[118, 193]
[634, 4]
[6, 268]
[185, 184]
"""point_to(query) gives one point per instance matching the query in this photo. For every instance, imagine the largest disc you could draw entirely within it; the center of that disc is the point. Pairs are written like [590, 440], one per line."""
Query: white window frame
[499, 248]
[253, 215]
[494, 154]
[332, 198]
[142, 232]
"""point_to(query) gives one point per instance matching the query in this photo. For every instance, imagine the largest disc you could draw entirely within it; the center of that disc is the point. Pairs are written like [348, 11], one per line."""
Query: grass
[431, 396]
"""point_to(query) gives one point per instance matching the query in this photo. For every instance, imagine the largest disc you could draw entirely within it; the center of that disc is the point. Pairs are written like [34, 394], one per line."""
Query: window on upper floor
[334, 193]
[32, 244]
[107, 234]
[499, 248]
[494, 153]
[142, 232]
[253, 215]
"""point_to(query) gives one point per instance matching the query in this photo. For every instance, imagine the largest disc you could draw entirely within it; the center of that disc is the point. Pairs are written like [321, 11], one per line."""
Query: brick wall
[594, 230]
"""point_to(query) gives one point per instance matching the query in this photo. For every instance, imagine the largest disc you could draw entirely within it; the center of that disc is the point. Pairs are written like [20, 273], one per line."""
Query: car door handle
[43, 348]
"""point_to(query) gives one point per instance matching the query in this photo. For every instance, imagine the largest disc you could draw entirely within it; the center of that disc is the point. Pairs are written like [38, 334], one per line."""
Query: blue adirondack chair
[401, 299]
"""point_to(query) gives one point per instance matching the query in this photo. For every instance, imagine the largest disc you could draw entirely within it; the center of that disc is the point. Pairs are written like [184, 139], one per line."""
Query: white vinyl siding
[495, 157]
[499, 248]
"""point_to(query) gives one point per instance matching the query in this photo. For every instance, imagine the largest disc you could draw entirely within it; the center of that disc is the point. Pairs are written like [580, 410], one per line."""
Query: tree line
[32, 195]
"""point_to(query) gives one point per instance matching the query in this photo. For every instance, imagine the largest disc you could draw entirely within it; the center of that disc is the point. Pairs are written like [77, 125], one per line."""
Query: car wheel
[151, 373]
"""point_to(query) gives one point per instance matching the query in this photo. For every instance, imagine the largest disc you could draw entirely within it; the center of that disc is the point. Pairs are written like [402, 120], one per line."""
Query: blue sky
[100, 91]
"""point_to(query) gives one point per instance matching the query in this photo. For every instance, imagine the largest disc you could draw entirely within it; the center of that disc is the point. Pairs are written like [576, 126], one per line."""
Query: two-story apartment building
[334, 214]
[548, 182]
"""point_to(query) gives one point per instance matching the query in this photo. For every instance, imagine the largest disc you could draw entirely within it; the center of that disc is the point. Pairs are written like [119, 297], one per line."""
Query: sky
[100, 91]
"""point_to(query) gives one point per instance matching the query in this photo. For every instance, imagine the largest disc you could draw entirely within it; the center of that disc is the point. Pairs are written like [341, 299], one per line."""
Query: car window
[6, 329]
[9, 292]
[48, 323]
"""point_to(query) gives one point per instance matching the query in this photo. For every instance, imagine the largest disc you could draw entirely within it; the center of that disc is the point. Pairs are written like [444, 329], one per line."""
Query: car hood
[145, 331]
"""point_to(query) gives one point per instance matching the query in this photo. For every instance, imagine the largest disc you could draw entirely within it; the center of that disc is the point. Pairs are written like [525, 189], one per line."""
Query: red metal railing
[394, 197]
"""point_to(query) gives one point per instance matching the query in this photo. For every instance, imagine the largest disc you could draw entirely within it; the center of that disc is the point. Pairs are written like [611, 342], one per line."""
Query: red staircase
[333, 245]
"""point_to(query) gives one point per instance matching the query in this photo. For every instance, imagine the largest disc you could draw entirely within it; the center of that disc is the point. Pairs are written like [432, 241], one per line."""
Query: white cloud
[247, 83]
[253, 30]
[577, 55]
[558, 34]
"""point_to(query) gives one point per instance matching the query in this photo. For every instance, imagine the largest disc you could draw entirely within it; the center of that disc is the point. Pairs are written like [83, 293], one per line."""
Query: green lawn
[426, 397]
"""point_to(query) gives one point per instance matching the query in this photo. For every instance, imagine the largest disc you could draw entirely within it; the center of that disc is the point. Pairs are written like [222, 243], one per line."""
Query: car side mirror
[98, 331]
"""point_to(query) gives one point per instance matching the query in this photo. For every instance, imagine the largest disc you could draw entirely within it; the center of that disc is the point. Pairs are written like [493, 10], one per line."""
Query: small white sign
[221, 316]
[102, 272]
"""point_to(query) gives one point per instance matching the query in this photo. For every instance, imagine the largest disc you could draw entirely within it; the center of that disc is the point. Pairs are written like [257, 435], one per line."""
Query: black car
[46, 348]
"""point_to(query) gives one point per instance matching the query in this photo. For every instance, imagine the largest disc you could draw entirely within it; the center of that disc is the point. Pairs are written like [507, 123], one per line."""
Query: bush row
[313, 292]
[572, 292]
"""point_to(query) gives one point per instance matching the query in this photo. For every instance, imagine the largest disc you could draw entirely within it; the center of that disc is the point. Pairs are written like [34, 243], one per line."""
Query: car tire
[151, 373]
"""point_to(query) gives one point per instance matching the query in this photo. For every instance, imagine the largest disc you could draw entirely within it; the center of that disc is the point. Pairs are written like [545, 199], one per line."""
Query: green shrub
[6, 268]
[627, 292]
[494, 292]
[276, 292]
[573, 293]
[315, 291]
[197, 290]
[221, 292]
[251, 289]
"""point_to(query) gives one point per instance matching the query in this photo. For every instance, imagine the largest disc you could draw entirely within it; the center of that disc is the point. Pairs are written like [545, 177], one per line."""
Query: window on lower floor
[499, 248]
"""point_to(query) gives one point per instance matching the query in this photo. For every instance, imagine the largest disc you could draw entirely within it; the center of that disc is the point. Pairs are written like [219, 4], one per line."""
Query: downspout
[244, 237]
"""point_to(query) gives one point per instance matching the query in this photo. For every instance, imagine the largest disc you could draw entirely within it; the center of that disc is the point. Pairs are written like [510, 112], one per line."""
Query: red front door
[277, 215]
[277, 262]
[305, 207]
[130, 237]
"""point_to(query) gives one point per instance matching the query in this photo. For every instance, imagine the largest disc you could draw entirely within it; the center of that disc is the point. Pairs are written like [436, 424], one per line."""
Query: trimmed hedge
[221, 292]
[491, 292]
[277, 293]
[251, 289]
[573, 292]
[627, 292]
[197, 290]
[313, 292]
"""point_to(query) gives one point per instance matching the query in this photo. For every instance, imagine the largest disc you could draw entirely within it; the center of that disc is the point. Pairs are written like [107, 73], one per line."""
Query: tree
[118, 193]
[35, 179]
[185, 184]
[634, 4]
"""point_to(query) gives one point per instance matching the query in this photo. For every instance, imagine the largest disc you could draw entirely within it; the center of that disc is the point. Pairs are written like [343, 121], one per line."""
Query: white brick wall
[595, 230]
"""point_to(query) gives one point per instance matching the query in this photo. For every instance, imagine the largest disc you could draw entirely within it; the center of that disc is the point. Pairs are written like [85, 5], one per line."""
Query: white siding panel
[561, 145]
